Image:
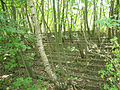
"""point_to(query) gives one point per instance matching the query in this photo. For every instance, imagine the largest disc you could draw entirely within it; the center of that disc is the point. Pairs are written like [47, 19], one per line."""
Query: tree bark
[86, 17]
[40, 44]
[13, 10]
[117, 18]
[94, 17]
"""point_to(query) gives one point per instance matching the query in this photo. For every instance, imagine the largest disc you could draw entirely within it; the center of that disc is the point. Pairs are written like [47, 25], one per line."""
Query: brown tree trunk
[86, 17]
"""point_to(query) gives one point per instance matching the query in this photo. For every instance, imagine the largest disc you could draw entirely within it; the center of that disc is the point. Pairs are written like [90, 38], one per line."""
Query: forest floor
[78, 73]
[75, 72]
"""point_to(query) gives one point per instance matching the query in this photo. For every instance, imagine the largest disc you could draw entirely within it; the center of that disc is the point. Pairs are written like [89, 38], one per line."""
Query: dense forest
[59, 44]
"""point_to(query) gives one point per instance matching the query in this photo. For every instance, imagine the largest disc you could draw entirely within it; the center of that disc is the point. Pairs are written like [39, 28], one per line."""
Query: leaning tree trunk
[40, 44]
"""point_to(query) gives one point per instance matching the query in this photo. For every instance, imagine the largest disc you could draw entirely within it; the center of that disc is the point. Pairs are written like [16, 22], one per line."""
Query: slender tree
[86, 17]
[110, 30]
[117, 18]
[112, 13]
[63, 17]
[59, 23]
[40, 44]
[55, 21]
[13, 9]
[94, 17]
[3, 5]
[43, 18]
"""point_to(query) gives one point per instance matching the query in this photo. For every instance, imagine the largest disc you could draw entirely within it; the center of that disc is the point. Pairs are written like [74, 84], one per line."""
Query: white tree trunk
[40, 44]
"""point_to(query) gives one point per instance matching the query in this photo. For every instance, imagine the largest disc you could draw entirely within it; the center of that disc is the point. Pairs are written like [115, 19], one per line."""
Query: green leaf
[69, 78]
[28, 47]
[113, 39]
[6, 66]
[106, 86]
[75, 8]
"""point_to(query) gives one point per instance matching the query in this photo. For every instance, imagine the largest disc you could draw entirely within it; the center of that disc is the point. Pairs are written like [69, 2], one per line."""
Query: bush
[12, 42]
[112, 72]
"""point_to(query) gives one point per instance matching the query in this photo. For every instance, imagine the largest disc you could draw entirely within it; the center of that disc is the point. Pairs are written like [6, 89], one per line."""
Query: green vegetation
[59, 44]
[112, 72]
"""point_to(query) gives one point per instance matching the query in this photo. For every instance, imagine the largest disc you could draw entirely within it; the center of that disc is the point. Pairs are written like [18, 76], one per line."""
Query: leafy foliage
[16, 38]
[12, 42]
[21, 81]
[111, 23]
[72, 49]
[112, 72]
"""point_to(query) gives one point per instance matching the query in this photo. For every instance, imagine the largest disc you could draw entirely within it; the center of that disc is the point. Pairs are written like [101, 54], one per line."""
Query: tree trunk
[110, 30]
[86, 17]
[94, 17]
[63, 21]
[40, 44]
[13, 10]
[112, 13]
[117, 18]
